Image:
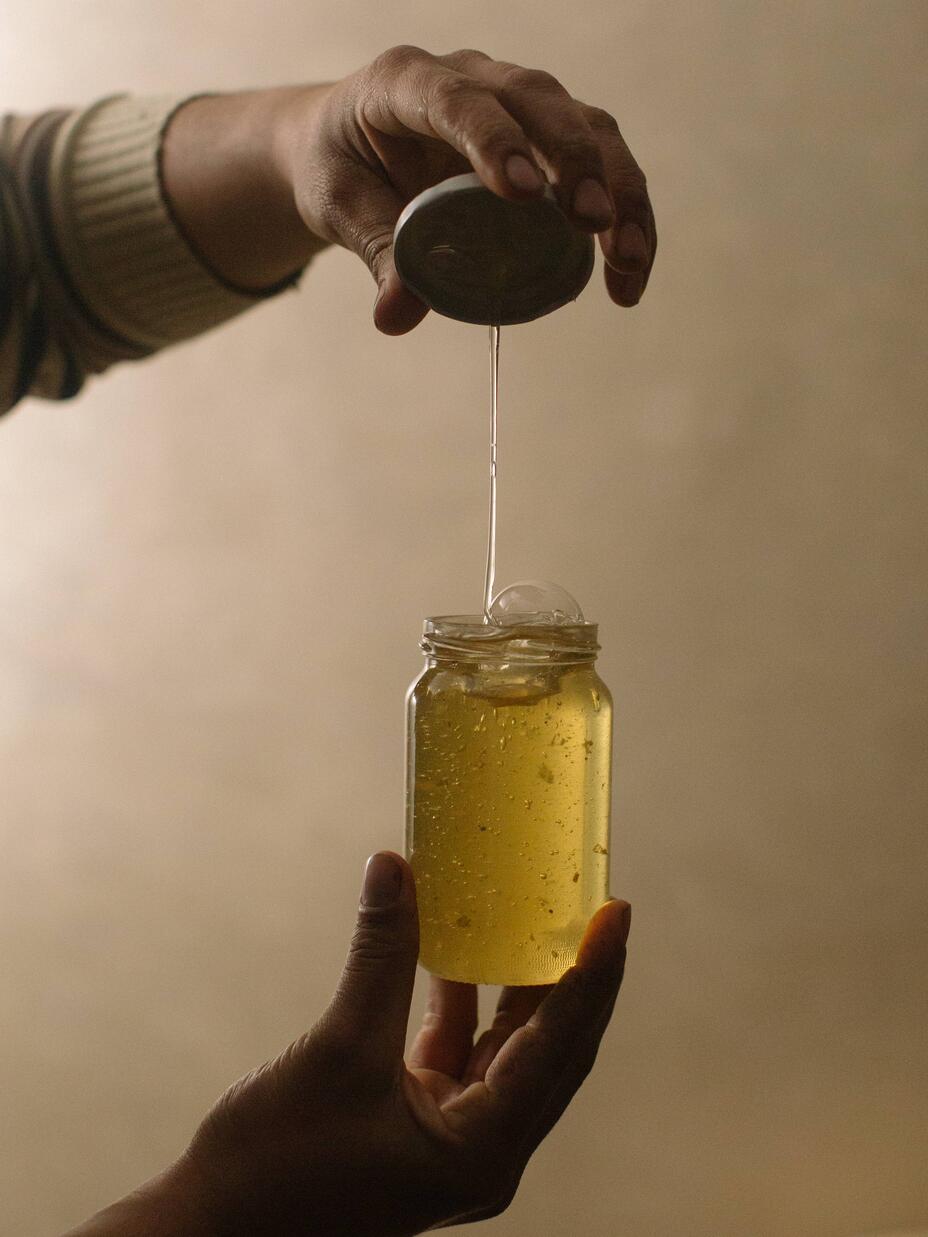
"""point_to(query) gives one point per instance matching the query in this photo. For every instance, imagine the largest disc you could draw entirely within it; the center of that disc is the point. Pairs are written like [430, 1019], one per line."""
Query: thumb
[364, 221]
[371, 1002]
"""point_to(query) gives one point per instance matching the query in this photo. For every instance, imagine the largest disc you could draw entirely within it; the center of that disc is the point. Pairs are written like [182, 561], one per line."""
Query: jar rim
[468, 635]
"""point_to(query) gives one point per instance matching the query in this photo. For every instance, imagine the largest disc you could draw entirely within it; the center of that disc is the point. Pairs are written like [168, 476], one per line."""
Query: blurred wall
[213, 567]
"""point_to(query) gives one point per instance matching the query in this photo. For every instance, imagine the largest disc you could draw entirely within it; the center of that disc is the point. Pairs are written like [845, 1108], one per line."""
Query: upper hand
[339, 1136]
[371, 142]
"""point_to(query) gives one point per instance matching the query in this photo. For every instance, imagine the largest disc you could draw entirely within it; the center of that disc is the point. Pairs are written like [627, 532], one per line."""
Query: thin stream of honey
[490, 576]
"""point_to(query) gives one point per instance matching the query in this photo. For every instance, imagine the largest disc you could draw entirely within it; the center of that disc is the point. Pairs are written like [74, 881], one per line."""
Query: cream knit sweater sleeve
[93, 268]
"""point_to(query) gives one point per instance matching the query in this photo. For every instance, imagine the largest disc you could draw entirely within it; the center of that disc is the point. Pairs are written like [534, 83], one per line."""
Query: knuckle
[489, 136]
[463, 56]
[601, 120]
[636, 186]
[371, 945]
[532, 81]
[373, 249]
[397, 59]
[538, 1047]
[576, 150]
[455, 91]
[473, 114]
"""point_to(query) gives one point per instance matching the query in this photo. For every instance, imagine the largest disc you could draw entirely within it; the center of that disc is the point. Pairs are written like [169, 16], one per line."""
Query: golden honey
[509, 741]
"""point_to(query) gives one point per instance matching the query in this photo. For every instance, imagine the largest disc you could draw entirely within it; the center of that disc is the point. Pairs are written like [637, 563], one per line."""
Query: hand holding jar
[338, 1135]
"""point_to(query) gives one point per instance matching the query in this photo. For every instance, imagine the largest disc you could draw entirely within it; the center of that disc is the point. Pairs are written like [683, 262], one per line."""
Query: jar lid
[474, 256]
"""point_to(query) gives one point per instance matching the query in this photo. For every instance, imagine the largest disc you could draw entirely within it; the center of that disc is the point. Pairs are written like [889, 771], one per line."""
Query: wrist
[295, 117]
[227, 174]
[176, 1203]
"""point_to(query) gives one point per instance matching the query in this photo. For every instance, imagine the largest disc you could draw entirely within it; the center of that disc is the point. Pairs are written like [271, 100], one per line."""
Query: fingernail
[625, 923]
[632, 247]
[381, 295]
[523, 175]
[383, 879]
[592, 202]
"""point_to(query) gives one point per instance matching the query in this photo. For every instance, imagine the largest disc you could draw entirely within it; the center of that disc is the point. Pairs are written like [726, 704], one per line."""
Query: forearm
[137, 223]
[172, 1204]
[226, 171]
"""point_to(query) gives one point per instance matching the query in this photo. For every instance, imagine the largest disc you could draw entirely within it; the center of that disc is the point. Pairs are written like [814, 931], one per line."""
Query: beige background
[213, 567]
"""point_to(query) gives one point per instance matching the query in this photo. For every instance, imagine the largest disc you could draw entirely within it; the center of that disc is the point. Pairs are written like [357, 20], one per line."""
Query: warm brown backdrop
[213, 567]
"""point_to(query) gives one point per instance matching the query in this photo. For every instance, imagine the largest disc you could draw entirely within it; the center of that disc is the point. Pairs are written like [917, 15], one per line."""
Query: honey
[509, 733]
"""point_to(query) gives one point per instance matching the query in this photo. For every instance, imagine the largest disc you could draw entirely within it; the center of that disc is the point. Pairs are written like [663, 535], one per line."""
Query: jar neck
[467, 638]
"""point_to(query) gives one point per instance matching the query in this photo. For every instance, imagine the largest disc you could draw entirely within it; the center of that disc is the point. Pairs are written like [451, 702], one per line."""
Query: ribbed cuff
[126, 256]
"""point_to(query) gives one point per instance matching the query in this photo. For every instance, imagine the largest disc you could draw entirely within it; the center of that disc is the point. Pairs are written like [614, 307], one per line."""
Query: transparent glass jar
[509, 753]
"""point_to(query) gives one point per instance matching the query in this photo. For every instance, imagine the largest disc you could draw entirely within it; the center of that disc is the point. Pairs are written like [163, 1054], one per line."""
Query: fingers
[446, 1041]
[515, 1007]
[430, 98]
[370, 1009]
[577, 1071]
[447, 1036]
[512, 125]
[630, 245]
[598, 182]
[603, 946]
[553, 1052]
[560, 133]
[509, 121]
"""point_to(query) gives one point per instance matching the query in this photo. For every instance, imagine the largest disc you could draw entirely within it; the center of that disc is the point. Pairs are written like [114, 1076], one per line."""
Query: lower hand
[339, 1136]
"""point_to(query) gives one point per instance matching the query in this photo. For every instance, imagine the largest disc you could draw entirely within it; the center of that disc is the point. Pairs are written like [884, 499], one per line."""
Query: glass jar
[509, 746]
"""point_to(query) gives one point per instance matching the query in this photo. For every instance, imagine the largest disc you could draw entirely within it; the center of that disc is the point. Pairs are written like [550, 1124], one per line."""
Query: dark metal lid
[474, 256]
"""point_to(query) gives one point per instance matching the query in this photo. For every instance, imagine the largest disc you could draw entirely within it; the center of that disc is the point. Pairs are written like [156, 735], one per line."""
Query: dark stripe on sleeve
[35, 339]
[7, 251]
[36, 153]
